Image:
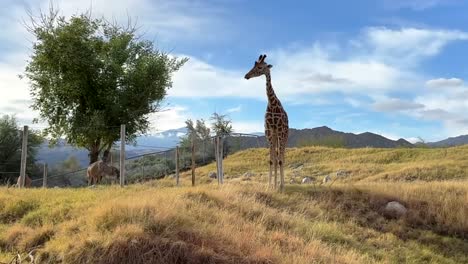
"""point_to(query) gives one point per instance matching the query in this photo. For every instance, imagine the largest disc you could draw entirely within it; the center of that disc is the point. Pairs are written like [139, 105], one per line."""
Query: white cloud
[448, 106]
[289, 76]
[408, 46]
[444, 83]
[200, 79]
[236, 109]
[377, 64]
[413, 140]
[248, 126]
[170, 118]
[394, 104]
[354, 102]
[436, 114]
[162, 21]
[417, 5]
[15, 95]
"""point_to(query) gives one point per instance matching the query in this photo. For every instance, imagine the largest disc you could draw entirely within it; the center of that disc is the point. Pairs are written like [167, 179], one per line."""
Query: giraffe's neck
[272, 99]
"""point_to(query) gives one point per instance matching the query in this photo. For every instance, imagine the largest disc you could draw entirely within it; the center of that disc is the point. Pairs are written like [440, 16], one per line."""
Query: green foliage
[331, 141]
[11, 138]
[200, 134]
[221, 124]
[150, 167]
[68, 165]
[89, 76]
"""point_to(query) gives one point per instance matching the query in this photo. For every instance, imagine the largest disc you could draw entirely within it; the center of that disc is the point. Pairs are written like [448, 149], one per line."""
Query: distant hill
[328, 137]
[450, 142]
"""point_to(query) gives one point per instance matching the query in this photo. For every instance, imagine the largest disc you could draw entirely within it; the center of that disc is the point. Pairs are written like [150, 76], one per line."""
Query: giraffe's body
[276, 122]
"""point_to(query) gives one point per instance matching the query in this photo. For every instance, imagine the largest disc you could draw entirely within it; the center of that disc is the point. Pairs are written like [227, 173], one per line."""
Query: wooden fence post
[177, 165]
[221, 155]
[24, 155]
[122, 155]
[216, 146]
[204, 151]
[193, 161]
[44, 178]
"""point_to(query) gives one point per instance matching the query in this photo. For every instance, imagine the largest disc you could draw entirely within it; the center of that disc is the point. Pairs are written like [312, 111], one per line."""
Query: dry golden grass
[242, 222]
[364, 165]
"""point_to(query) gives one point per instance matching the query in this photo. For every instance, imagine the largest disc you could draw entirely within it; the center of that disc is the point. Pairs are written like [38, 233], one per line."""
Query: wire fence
[68, 164]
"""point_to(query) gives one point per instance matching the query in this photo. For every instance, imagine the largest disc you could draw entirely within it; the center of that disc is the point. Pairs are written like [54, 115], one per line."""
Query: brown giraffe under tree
[276, 122]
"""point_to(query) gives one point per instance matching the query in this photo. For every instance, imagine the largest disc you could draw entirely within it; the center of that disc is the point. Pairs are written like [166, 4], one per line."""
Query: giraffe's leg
[281, 165]
[272, 158]
[275, 159]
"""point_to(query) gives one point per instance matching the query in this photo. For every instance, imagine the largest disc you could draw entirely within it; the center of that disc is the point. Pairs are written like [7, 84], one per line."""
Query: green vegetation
[11, 137]
[200, 134]
[242, 222]
[149, 167]
[222, 125]
[89, 76]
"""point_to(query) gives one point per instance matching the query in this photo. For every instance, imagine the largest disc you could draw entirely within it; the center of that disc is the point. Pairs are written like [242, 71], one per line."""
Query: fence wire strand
[204, 152]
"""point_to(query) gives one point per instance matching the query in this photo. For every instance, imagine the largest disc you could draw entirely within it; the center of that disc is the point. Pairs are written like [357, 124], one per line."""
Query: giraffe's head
[260, 68]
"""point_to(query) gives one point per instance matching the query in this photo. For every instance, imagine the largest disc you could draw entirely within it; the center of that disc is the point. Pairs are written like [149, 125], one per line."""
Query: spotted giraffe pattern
[276, 122]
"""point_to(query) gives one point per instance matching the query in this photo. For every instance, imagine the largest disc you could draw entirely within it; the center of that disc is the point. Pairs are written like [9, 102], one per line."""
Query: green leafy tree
[11, 138]
[89, 76]
[200, 133]
[221, 124]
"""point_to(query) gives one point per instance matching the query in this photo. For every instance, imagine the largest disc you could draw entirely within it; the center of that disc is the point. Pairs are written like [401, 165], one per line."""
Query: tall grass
[242, 222]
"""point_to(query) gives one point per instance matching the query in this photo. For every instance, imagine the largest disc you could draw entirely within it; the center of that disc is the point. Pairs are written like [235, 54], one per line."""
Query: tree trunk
[94, 152]
[106, 155]
[93, 155]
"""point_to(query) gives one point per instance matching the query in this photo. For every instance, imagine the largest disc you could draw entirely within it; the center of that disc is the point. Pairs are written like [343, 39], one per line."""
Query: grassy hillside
[363, 165]
[242, 222]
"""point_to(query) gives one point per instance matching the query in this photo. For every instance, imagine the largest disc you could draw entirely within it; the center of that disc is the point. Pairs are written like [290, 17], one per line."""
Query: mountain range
[450, 142]
[297, 137]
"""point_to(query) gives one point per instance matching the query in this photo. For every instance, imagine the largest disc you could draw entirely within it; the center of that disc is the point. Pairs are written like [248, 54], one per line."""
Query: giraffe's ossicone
[276, 122]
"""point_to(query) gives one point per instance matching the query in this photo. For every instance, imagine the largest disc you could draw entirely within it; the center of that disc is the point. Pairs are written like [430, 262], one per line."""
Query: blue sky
[388, 66]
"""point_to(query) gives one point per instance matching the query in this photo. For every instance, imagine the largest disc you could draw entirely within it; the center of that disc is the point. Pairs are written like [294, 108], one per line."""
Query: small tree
[421, 143]
[222, 126]
[11, 138]
[70, 164]
[89, 76]
[200, 134]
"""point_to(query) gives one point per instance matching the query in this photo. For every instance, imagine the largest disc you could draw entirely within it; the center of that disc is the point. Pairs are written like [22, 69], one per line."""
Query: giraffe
[276, 122]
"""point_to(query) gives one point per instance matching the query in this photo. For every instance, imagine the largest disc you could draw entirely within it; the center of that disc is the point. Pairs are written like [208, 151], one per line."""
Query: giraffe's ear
[270, 66]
